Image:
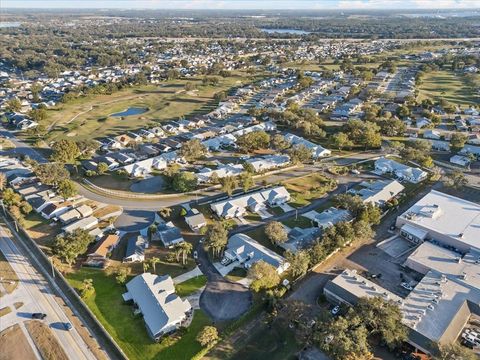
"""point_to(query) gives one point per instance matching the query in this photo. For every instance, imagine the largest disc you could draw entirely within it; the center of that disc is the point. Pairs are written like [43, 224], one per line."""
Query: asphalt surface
[21, 148]
[221, 299]
[133, 220]
[37, 296]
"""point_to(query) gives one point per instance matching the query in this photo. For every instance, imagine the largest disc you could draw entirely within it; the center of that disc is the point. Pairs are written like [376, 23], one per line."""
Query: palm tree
[153, 262]
[152, 229]
[3, 181]
[185, 249]
[145, 267]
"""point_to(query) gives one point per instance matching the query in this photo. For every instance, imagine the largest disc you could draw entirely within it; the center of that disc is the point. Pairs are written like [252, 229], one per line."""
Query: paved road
[36, 294]
[21, 148]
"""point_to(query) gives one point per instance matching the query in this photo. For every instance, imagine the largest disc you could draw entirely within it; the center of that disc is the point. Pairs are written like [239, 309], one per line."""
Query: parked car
[406, 286]
[225, 261]
[39, 316]
[67, 326]
[355, 171]
[335, 310]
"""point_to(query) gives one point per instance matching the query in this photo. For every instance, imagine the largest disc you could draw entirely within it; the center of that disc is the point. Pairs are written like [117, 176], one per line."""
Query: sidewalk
[187, 276]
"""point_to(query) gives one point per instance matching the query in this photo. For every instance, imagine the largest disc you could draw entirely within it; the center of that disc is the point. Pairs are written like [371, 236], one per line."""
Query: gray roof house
[379, 192]
[331, 216]
[299, 238]
[169, 234]
[401, 171]
[195, 220]
[135, 252]
[163, 311]
[246, 251]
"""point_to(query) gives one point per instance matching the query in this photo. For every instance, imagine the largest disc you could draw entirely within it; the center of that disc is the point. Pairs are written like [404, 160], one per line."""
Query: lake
[130, 111]
[285, 31]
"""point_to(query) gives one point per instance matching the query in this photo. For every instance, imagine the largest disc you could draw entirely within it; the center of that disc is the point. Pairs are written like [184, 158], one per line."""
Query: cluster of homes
[446, 232]
[74, 213]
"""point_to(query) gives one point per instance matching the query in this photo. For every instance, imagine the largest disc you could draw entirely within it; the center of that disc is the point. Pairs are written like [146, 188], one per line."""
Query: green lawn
[301, 222]
[168, 100]
[307, 188]
[190, 286]
[129, 330]
[449, 86]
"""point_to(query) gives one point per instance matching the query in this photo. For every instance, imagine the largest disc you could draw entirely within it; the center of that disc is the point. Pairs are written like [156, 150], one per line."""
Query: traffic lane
[21, 148]
[43, 300]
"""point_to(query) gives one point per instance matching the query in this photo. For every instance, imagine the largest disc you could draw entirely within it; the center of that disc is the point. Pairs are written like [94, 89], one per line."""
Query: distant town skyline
[245, 4]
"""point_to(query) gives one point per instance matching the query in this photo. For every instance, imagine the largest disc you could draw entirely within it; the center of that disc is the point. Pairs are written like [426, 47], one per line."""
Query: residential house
[401, 171]
[163, 311]
[318, 151]
[330, 217]
[300, 238]
[378, 192]
[460, 160]
[99, 255]
[204, 174]
[253, 201]
[75, 214]
[53, 210]
[247, 252]
[269, 162]
[195, 220]
[471, 149]
[135, 252]
[169, 234]
[85, 224]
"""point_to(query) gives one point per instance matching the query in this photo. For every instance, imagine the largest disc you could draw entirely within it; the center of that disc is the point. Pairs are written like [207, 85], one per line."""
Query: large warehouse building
[449, 220]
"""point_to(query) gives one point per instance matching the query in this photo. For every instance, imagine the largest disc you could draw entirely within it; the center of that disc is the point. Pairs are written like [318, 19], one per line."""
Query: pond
[285, 31]
[130, 111]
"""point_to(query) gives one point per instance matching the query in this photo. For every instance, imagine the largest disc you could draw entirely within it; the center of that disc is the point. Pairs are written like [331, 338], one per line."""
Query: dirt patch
[5, 311]
[8, 275]
[14, 345]
[18, 305]
[46, 343]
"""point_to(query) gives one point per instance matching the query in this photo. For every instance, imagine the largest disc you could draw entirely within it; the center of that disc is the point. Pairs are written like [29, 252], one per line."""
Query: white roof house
[404, 172]
[317, 150]
[246, 251]
[331, 216]
[379, 192]
[144, 167]
[460, 160]
[269, 162]
[447, 219]
[222, 171]
[254, 201]
[86, 224]
[163, 311]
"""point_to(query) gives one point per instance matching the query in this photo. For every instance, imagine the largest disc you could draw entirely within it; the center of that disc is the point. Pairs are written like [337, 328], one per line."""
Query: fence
[63, 288]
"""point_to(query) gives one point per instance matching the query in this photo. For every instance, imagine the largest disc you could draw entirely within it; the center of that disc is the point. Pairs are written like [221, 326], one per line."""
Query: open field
[14, 345]
[129, 330]
[306, 188]
[46, 343]
[449, 86]
[7, 274]
[89, 116]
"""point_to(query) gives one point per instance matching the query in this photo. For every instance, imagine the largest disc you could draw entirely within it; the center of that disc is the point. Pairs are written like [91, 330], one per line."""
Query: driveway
[134, 220]
[221, 299]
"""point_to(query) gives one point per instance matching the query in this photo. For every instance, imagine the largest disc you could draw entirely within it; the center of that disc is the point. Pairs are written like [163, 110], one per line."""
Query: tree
[403, 111]
[122, 275]
[10, 197]
[165, 212]
[344, 337]
[153, 262]
[102, 168]
[263, 276]
[13, 105]
[299, 262]
[276, 232]
[246, 180]
[229, 183]
[279, 143]
[184, 249]
[216, 237]
[371, 136]
[87, 146]
[152, 229]
[184, 181]
[456, 179]
[207, 336]
[67, 189]
[300, 154]
[341, 140]
[392, 127]
[352, 203]
[253, 141]
[192, 150]
[38, 114]
[69, 246]
[51, 173]
[454, 351]
[457, 141]
[65, 151]
[87, 289]
[382, 318]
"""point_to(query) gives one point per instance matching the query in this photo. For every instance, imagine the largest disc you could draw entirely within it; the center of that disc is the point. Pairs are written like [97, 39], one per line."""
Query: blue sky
[245, 4]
